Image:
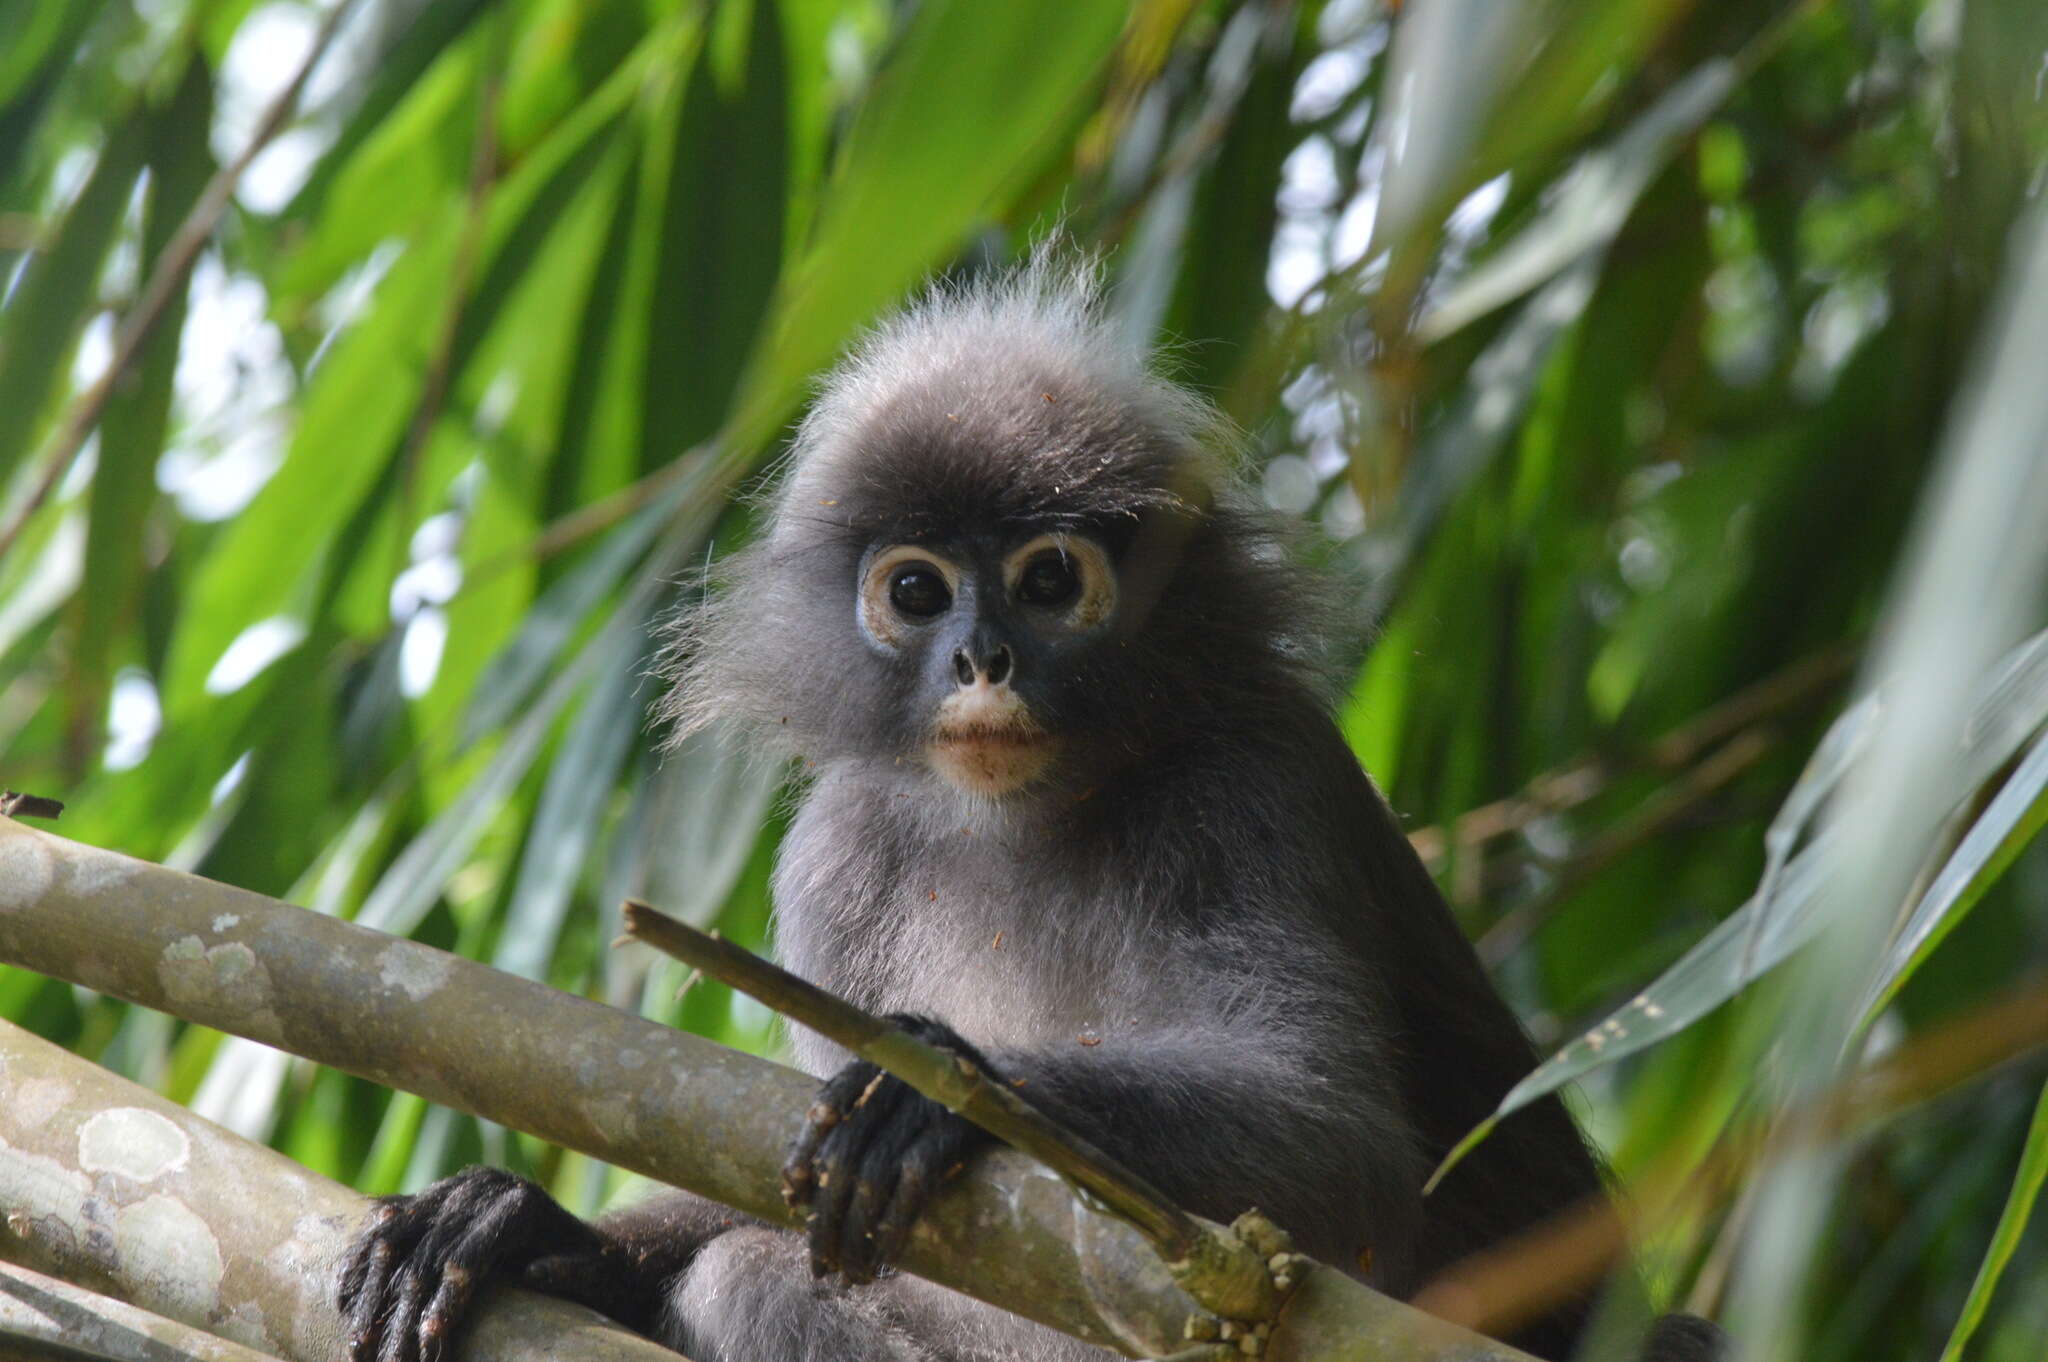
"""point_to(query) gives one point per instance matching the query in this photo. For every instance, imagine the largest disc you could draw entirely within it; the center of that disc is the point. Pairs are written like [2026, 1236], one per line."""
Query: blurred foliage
[1607, 344]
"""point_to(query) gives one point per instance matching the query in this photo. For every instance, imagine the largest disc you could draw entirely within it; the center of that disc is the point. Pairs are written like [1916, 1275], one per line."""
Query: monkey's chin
[991, 763]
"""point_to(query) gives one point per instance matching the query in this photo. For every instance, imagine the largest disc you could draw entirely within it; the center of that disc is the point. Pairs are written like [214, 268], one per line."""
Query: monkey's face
[979, 631]
[1004, 563]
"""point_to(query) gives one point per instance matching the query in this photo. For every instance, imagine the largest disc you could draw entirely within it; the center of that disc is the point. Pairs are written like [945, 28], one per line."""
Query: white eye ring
[879, 619]
[1095, 602]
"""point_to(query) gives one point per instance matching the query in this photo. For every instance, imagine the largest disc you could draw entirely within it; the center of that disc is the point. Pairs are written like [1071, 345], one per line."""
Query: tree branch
[125, 1193]
[45, 1318]
[615, 1087]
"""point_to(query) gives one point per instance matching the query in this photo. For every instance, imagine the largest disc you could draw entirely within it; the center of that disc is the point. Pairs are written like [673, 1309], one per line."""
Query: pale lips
[987, 743]
[991, 762]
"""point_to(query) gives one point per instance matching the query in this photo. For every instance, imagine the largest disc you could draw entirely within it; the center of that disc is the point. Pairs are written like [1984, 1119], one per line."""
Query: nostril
[963, 669]
[999, 666]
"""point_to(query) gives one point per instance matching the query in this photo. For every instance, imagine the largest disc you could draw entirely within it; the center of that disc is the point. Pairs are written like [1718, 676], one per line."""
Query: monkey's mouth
[990, 759]
[988, 735]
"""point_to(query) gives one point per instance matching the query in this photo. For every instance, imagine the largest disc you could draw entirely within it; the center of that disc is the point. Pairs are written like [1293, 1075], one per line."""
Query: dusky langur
[1074, 804]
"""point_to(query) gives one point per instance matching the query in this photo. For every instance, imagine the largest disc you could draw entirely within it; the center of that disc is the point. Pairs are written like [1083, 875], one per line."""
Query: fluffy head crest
[1006, 398]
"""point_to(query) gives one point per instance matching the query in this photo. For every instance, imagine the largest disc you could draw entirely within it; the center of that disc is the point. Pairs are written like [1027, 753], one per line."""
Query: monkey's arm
[1221, 1119]
[664, 1229]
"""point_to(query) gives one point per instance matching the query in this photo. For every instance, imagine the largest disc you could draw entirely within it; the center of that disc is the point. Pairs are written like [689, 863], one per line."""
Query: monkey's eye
[1048, 579]
[919, 591]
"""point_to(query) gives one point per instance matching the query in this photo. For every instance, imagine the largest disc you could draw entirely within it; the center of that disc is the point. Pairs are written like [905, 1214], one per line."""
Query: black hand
[408, 1279]
[871, 1154]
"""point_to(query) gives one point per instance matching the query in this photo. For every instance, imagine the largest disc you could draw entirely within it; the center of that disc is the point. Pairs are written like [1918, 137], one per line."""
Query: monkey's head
[1004, 554]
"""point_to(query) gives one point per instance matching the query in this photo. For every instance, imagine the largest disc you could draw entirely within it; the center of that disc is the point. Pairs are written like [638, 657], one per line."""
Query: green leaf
[1845, 742]
[708, 800]
[1465, 440]
[354, 414]
[58, 291]
[1782, 916]
[1986, 852]
[359, 407]
[1581, 46]
[567, 819]
[403, 181]
[408, 889]
[430, 34]
[553, 621]
[721, 216]
[2005, 1240]
[44, 569]
[417, 876]
[960, 120]
[1592, 203]
[33, 61]
[38, 36]
[138, 414]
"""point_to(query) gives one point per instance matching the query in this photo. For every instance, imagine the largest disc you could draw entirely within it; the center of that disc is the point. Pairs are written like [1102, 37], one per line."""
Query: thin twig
[585, 522]
[1573, 784]
[13, 805]
[1651, 819]
[483, 165]
[167, 276]
[944, 1077]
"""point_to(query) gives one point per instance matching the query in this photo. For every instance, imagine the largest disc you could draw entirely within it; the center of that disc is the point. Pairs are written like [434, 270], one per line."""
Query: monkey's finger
[893, 1225]
[799, 1171]
[444, 1310]
[401, 1328]
[873, 1189]
[829, 1199]
[370, 1266]
[894, 1125]
[841, 1164]
[362, 1256]
[465, 1250]
[488, 1223]
[838, 1096]
[488, 1215]
[935, 1156]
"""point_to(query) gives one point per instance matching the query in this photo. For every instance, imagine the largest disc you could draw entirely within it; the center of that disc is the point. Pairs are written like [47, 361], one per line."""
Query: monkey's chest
[1026, 975]
[1011, 946]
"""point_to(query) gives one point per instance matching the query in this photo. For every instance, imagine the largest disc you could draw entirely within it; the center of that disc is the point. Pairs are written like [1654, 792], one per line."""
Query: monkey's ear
[700, 651]
[758, 649]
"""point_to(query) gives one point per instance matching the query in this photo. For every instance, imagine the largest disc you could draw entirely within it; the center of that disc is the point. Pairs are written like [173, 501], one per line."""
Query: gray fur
[1187, 891]
[1189, 923]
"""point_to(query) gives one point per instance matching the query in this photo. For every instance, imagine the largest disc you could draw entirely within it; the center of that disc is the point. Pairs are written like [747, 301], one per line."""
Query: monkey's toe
[408, 1281]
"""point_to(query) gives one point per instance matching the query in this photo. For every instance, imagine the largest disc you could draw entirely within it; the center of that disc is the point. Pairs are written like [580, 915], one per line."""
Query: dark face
[983, 637]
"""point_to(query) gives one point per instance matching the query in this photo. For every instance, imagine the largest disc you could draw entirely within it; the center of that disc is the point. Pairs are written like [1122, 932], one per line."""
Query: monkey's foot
[407, 1281]
[870, 1156]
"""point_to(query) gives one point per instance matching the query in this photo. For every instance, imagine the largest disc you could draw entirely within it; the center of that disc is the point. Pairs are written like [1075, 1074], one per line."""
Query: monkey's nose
[996, 669]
